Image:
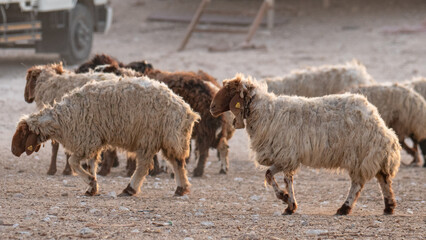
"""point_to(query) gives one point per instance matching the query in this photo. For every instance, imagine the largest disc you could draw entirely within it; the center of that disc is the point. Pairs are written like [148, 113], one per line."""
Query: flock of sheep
[333, 117]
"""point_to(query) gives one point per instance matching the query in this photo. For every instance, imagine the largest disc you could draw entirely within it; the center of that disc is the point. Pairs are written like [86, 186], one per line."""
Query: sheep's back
[320, 81]
[336, 131]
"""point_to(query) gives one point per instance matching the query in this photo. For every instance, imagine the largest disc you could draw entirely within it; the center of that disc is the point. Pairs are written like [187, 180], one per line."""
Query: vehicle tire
[80, 35]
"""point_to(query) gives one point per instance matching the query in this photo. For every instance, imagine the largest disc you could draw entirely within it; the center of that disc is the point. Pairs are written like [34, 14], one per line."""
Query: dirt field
[236, 206]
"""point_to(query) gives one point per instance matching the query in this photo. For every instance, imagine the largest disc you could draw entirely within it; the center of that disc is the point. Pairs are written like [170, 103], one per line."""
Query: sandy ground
[236, 206]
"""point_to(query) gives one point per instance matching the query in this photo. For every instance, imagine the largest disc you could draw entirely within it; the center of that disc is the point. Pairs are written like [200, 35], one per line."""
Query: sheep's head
[141, 66]
[109, 68]
[24, 140]
[32, 76]
[97, 60]
[233, 96]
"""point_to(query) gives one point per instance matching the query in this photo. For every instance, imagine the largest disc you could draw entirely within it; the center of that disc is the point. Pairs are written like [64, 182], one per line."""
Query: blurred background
[387, 36]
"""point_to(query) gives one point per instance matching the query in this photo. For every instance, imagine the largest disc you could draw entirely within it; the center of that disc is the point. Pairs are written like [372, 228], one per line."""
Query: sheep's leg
[386, 185]
[67, 169]
[423, 148]
[180, 176]
[270, 179]
[52, 167]
[156, 170]
[86, 176]
[353, 195]
[131, 165]
[203, 150]
[222, 149]
[412, 151]
[144, 163]
[109, 157]
[291, 202]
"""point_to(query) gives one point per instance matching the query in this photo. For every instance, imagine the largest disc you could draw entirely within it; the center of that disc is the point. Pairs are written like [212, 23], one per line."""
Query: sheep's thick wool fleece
[51, 87]
[133, 114]
[402, 109]
[320, 81]
[418, 84]
[336, 131]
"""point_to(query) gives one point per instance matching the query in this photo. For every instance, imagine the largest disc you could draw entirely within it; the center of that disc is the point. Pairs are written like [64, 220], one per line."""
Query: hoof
[51, 172]
[283, 196]
[287, 211]
[172, 175]
[222, 171]
[198, 172]
[116, 163]
[388, 211]
[91, 193]
[67, 172]
[344, 210]
[103, 172]
[180, 191]
[128, 191]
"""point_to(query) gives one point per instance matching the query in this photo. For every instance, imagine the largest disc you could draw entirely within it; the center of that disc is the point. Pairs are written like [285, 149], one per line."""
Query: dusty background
[236, 206]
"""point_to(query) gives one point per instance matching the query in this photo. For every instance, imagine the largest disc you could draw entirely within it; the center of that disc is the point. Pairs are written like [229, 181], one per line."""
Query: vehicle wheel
[80, 35]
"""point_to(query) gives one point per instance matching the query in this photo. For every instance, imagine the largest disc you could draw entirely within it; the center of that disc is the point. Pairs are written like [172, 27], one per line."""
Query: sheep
[419, 85]
[197, 89]
[320, 81]
[333, 132]
[402, 109]
[98, 59]
[46, 84]
[119, 114]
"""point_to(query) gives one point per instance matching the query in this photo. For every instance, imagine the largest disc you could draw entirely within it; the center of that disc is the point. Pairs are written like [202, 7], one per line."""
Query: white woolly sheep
[333, 132]
[419, 85]
[119, 114]
[197, 89]
[402, 109]
[320, 81]
[47, 84]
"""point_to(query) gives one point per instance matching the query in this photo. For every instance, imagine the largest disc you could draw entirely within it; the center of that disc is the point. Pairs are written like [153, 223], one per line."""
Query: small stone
[188, 238]
[85, 231]
[207, 224]
[64, 194]
[315, 231]
[255, 198]
[398, 198]
[202, 199]
[65, 182]
[377, 222]
[25, 233]
[83, 203]
[238, 179]
[324, 203]
[277, 213]
[15, 225]
[123, 208]
[36, 157]
[199, 214]
[112, 194]
[135, 231]
[184, 197]
[410, 211]
[46, 219]
[93, 210]
[18, 195]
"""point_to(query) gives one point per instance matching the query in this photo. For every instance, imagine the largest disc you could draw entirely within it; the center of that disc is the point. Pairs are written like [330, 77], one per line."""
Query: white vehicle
[55, 26]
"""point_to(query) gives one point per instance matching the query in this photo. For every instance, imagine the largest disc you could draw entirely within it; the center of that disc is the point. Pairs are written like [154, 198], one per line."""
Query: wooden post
[193, 23]
[265, 6]
[271, 16]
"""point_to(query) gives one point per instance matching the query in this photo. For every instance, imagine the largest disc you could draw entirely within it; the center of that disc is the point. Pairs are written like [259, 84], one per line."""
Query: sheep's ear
[59, 68]
[31, 144]
[237, 108]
